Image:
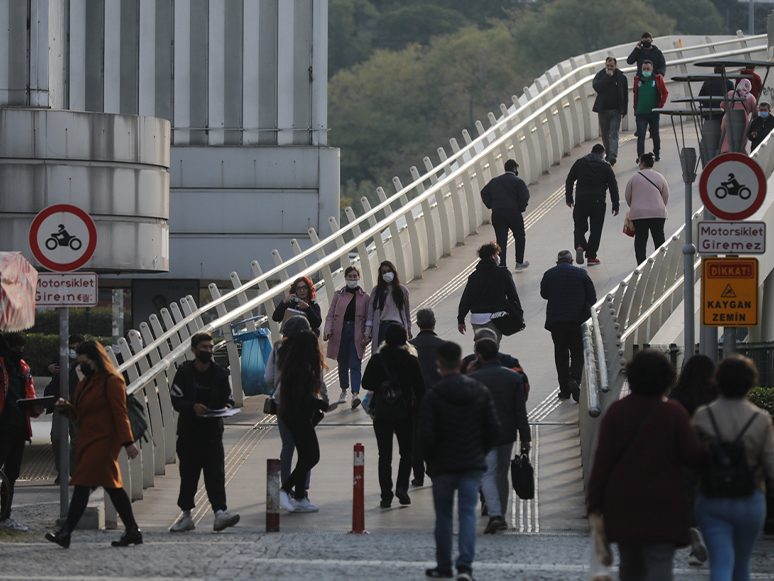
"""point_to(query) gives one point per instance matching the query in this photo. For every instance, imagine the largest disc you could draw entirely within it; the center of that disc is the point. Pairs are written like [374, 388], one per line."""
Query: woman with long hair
[300, 408]
[647, 194]
[344, 332]
[301, 297]
[696, 386]
[744, 101]
[389, 303]
[731, 518]
[99, 410]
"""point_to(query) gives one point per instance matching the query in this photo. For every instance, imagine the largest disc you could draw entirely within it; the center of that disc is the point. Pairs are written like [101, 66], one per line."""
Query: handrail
[599, 349]
[591, 373]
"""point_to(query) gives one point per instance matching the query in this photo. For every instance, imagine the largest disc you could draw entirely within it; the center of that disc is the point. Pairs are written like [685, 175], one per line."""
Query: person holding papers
[201, 386]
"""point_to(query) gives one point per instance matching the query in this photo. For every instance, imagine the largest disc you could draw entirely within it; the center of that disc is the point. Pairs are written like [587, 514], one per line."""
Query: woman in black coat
[396, 363]
[301, 298]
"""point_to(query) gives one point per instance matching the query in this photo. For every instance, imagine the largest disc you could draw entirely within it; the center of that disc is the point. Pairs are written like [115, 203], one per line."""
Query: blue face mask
[646, 74]
[763, 114]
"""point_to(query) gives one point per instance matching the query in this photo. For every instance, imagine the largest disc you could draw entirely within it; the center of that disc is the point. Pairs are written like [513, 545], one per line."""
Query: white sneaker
[225, 520]
[343, 397]
[184, 524]
[286, 503]
[304, 506]
[356, 401]
[522, 265]
[10, 523]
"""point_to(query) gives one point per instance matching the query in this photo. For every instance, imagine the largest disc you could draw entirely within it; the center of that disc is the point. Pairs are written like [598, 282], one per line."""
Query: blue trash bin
[256, 348]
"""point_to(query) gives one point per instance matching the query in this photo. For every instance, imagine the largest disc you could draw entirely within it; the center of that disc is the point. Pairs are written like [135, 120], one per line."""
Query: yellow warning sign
[729, 292]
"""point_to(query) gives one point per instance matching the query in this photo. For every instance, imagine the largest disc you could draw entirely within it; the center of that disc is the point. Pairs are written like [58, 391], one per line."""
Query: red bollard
[272, 496]
[358, 496]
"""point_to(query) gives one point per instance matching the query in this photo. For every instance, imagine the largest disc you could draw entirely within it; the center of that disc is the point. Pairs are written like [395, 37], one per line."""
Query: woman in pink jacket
[747, 104]
[647, 194]
[344, 332]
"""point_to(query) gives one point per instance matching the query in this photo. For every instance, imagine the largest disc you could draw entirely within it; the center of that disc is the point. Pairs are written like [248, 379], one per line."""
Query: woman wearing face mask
[744, 101]
[301, 298]
[344, 330]
[647, 194]
[486, 291]
[99, 410]
[389, 303]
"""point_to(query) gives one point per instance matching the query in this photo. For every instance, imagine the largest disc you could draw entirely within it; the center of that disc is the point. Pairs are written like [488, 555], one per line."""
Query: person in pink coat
[344, 332]
[742, 91]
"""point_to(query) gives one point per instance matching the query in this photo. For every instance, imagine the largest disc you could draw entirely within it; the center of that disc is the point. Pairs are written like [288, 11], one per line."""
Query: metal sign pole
[688, 159]
[64, 424]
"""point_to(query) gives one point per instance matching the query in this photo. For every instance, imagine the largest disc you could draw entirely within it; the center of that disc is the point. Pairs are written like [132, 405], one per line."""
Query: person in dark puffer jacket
[459, 426]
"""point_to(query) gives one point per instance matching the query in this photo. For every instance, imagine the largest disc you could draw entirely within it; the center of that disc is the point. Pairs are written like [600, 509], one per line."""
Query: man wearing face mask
[507, 196]
[645, 50]
[610, 105]
[760, 126]
[650, 93]
[15, 427]
[199, 386]
[52, 388]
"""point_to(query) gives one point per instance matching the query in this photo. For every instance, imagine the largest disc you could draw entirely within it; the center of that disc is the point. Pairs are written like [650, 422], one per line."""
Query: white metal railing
[419, 224]
[634, 312]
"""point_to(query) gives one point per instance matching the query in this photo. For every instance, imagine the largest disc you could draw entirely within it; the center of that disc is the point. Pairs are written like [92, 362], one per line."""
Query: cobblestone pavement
[298, 556]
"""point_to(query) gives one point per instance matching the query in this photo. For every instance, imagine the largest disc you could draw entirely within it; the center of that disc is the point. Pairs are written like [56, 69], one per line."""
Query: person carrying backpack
[395, 378]
[731, 506]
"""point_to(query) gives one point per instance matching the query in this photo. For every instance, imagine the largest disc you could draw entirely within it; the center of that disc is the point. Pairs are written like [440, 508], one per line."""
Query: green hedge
[86, 321]
[763, 397]
[42, 349]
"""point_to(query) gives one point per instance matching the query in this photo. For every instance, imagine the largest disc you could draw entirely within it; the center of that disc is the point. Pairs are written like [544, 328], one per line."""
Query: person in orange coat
[99, 410]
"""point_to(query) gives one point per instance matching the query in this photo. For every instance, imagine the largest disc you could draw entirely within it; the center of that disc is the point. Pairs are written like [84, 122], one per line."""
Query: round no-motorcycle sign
[63, 238]
[732, 186]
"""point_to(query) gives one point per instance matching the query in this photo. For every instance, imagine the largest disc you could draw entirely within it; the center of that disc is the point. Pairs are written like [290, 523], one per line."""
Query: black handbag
[510, 320]
[523, 477]
[270, 406]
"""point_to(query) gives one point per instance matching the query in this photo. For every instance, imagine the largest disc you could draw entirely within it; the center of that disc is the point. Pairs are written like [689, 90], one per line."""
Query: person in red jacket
[650, 93]
[15, 427]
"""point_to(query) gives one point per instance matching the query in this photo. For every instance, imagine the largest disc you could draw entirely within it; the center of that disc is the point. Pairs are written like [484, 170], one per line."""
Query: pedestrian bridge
[430, 229]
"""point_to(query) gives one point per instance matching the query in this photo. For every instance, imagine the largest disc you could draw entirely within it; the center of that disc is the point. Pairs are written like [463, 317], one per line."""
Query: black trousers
[404, 430]
[641, 228]
[12, 440]
[568, 353]
[196, 456]
[80, 500]
[504, 220]
[417, 464]
[588, 213]
[307, 452]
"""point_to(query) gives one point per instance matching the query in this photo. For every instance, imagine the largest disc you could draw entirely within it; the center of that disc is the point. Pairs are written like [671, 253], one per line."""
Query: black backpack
[137, 421]
[390, 401]
[727, 474]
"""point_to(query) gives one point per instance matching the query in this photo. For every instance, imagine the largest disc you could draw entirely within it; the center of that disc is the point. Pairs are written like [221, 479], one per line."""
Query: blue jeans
[286, 453]
[645, 121]
[467, 485]
[348, 358]
[730, 526]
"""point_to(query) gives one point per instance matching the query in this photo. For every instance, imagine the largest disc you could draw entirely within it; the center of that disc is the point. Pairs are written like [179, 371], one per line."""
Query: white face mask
[353, 283]
[72, 354]
[497, 259]
[388, 277]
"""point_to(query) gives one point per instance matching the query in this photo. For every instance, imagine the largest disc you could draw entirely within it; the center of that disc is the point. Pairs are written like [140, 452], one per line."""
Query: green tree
[348, 39]
[418, 23]
[692, 16]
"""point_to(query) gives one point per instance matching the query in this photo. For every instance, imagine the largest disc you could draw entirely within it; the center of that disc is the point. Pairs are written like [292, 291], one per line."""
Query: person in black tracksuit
[645, 50]
[593, 176]
[201, 385]
[402, 365]
[487, 291]
[426, 344]
[760, 126]
[507, 196]
[300, 409]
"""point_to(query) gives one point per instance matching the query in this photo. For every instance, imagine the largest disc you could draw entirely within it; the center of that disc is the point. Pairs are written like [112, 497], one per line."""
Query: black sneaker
[564, 395]
[385, 504]
[657, 158]
[464, 574]
[612, 161]
[403, 496]
[574, 389]
[495, 524]
[437, 573]
[417, 483]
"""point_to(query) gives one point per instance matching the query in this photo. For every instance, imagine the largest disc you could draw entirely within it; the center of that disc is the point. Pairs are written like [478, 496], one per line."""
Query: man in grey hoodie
[594, 176]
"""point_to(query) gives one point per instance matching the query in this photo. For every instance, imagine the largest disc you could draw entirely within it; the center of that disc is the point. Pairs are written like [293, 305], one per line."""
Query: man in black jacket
[201, 386]
[487, 291]
[459, 426]
[426, 343]
[507, 196]
[760, 126]
[472, 362]
[508, 393]
[570, 295]
[594, 176]
[645, 50]
[610, 105]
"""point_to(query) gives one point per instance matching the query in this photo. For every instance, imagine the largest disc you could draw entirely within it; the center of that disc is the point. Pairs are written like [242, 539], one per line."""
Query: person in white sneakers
[301, 408]
[200, 386]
